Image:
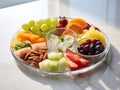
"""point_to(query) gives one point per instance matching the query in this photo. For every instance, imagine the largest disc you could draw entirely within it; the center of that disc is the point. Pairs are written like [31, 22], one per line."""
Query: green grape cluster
[40, 27]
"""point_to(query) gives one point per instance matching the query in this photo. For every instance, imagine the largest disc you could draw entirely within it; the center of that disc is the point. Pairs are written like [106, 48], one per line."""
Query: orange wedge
[76, 28]
[68, 32]
[81, 22]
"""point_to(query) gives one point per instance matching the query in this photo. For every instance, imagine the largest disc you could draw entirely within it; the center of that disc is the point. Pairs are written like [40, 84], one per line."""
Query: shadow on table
[106, 76]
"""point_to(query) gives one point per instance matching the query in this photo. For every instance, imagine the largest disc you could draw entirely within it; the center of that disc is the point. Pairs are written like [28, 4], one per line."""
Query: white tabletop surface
[107, 77]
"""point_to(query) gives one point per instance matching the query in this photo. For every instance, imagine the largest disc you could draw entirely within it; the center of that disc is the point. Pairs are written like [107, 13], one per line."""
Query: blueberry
[92, 47]
[98, 42]
[97, 52]
[98, 48]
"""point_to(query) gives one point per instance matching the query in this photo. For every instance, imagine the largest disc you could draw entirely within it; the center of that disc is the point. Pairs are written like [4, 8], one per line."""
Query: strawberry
[74, 58]
[72, 65]
[63, 21]
[59, 25]
[70, 52]
[84, 62]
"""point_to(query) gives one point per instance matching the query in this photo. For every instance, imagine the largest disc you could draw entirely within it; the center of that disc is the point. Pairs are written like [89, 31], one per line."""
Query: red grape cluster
[91, 47]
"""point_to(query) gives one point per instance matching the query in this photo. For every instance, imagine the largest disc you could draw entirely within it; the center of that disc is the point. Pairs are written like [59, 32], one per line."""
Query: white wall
[7, 3]
[107, 11]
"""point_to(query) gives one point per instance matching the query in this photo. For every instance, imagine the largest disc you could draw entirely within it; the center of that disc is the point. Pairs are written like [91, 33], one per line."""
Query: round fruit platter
[59, 46]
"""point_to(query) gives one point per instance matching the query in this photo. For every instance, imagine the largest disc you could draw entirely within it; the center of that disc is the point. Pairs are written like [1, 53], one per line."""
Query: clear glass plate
[28, 68]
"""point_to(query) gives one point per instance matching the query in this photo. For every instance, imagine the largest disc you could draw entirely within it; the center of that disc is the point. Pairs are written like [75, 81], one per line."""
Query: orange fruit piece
[33, 37]
[68, 32]
[76, 28]
[41, 40]
[81, 22]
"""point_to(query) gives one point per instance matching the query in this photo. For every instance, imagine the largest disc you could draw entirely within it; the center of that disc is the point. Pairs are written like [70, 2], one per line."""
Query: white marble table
[106, 77]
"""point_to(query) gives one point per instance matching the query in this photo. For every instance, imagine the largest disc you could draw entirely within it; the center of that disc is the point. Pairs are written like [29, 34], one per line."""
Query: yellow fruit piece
[92, 34]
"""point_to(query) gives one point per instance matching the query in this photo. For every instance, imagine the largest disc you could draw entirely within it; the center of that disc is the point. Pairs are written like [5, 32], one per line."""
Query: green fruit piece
[44, 65]
[39, 33]
[35, 28]
[47, 21]
[55, 56]
[25, 27]
[62, 65]
[53, 66]
[31, 23]
[54, 22]
[39, 22]
[44, 27]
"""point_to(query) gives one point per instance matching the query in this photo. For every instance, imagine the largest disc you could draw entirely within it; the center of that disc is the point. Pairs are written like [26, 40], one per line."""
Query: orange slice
[78, 21]
[76, 28]
[68, 32]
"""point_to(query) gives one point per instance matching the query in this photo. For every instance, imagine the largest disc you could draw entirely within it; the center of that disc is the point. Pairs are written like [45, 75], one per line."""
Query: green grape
[35, 28]
[54, 22]
[44, 27]
[39, 22]
[31, 23]
[47, 21]
[39, 33]
[51, 28]
[26, 27]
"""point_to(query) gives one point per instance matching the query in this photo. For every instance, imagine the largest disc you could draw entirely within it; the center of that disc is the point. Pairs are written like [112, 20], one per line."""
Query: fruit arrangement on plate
[59, 44]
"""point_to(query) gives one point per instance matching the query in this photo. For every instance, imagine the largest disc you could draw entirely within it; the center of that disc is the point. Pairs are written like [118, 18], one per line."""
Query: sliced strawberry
[74, 58]
[84, 62]
[72, 65]
[69, 51]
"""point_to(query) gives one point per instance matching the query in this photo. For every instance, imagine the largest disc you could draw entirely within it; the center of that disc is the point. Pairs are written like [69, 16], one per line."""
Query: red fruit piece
[69, 51]
[86, 26]
[59, 26]
[59, 32]
[63, 21]
[84, 62]
[74, 58]
[72, 65]
[96, 28]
